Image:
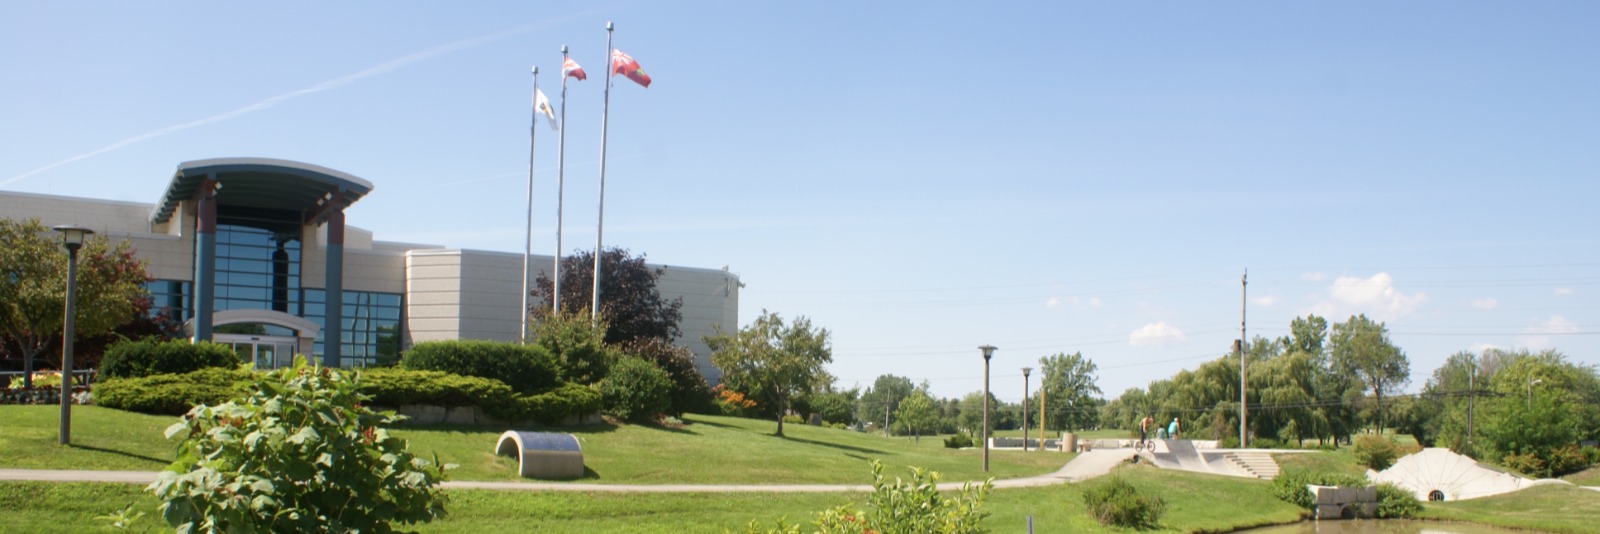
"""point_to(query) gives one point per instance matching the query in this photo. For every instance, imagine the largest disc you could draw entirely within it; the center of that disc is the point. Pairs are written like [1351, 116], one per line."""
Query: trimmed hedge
[636, 390]
[151, 356]
[551, 407]
[172, 394]
[527, 369]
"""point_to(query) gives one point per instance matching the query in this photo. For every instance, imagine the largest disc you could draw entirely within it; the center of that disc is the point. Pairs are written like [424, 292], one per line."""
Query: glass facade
[258, 268]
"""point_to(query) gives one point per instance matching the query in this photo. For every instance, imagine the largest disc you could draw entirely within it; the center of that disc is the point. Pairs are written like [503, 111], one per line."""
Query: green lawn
[1587, 477]
[709, 450]
[1546, 508]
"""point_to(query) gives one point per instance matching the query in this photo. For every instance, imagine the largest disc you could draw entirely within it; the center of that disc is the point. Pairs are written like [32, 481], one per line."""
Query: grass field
[710, 450]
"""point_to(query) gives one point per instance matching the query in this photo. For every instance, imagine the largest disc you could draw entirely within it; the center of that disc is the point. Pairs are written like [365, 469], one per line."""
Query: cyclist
[1144, 428]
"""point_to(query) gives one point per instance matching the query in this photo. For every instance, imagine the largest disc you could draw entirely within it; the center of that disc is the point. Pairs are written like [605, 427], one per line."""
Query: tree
[834, 407]
[577, 343]
[916, 415]
[629, 300]
[689, 390]
[33, 287]
[970, 418]
[772, 361]
[1361, 347]
[886, 393]
[1069, 384]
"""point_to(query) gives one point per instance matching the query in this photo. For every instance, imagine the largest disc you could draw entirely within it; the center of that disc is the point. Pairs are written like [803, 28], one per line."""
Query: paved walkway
[1084, 466]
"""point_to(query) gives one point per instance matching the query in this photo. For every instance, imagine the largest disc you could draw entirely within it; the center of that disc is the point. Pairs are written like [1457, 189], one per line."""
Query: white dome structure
[1436, 474]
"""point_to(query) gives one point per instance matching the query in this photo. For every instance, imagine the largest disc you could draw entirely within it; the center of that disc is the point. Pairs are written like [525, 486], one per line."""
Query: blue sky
[919, 178]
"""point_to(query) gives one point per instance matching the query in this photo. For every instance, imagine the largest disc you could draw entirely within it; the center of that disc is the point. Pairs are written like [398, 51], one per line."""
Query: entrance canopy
[312, 191]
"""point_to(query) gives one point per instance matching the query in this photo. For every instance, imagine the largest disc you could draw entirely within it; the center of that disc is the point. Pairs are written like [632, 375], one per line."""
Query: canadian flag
[624, 64]
[570, 68]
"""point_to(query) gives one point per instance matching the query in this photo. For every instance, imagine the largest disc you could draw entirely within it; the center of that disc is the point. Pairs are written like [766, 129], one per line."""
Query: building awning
[264, 183]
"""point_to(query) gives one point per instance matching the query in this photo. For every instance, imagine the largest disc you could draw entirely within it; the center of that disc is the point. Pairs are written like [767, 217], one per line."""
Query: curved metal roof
[263, 183]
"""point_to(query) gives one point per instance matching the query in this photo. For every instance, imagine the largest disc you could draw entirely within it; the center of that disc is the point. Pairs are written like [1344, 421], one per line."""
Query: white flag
[542, 105]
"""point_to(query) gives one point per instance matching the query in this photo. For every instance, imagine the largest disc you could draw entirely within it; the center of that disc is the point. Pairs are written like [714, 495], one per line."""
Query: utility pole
[1243, 282]
[1472, 391]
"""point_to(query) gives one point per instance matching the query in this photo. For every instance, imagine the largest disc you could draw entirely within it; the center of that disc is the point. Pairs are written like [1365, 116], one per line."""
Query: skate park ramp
[1183, 454]
[1438, 474]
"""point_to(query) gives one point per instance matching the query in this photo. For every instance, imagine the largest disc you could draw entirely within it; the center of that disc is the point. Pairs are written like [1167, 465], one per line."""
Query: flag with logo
[624, 64]
[541, 104]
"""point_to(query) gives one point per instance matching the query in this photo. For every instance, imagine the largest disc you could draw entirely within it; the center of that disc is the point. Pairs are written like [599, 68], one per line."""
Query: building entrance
[266, 352]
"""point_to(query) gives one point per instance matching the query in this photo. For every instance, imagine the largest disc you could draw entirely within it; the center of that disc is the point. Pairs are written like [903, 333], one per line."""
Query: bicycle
[1141, 446]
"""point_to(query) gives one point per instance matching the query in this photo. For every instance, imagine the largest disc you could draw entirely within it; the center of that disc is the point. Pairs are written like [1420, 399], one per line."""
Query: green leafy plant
[636, 390]
[526, 368]
[960, 440]
[901, 507]
[577, 343]
[555, 406]
[172, 394]
[1395, 502]
[298, 453]
[1118, 503]
[1290, 485]
[123, 520]
[689, 394]
[153, 356]
[1376, 452]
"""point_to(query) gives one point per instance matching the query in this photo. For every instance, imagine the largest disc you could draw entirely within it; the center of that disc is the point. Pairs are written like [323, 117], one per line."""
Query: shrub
[297, 453]
[794, 420]
[1395, 502]
[576, 343]
[526, 368]
[1376, 452]
[689, 390]
[1116, 502]
[172, 394]
[1290, 485]
[393, 387]
[732, 403]
[636, 390]
[152, 356]
[914, 506]
[959, 441]
[554, 406]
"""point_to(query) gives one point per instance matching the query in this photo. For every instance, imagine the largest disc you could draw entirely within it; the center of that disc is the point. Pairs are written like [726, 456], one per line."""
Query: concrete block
[423, 414]
[461, 415]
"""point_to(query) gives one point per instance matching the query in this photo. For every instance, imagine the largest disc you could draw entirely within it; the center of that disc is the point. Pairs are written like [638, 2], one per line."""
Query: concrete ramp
[1182, 454]
[1439, 474]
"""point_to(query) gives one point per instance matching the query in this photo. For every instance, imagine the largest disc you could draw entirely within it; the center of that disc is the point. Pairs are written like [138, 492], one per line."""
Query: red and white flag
[570, 69]
[625, 65]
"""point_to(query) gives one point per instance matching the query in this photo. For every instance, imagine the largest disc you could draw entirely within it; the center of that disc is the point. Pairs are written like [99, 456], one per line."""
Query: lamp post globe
[72, 238]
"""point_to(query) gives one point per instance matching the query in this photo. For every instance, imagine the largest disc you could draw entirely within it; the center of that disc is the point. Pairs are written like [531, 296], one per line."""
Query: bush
[959, 441]
[1118, 503]
[172, 394]
[636, 390]
[554, 406]
[527, 369]
[732, 403]
[1376, 452]
[576, 343]
[152, 356]
[914, 506]
[689, 390]
[1395, 502]
[394, 387]
[297, 453]
[1290, 485]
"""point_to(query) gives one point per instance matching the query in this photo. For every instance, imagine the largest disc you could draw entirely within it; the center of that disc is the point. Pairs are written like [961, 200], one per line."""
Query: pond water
[1384, 526]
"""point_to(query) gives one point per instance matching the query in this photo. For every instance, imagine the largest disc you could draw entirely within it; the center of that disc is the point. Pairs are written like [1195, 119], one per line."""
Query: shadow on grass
[151, 459]
[496, 430]
[864, 450]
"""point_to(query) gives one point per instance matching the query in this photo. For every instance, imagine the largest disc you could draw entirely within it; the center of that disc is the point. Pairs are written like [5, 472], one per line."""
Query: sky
[917, 178]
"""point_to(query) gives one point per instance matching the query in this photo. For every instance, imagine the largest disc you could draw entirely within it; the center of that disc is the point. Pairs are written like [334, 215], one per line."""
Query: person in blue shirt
[1172, 428]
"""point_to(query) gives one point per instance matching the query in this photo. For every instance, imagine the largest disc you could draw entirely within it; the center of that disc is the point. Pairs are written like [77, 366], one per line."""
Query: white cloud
[1314, 277]
[1267, 300]
[1051, 302]
[1485, 304]
[1537, 335]
[1376, 296]
[1156, 335]
[1560, 291]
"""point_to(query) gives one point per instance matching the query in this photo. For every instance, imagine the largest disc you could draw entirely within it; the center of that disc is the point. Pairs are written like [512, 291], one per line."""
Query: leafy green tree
[629, 299]
[298, 453]
[834, 407]
[689, 390]
[1069, 384]
[917, 415]
[636, 390]
[1361, 347]
[970, 417]
[885, 394]
[578, 344]
[771, 360]
[33, 288]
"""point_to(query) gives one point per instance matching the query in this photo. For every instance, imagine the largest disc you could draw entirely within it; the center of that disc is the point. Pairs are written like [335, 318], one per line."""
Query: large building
[250, 252]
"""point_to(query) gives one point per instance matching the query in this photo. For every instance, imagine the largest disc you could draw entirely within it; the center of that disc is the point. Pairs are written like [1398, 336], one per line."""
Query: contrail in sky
[324, 86]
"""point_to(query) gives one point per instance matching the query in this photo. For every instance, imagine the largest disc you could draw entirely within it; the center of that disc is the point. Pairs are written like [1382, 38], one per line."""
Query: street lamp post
[1025, 372]
[72, 237]
[988, 352]
[1530, 390]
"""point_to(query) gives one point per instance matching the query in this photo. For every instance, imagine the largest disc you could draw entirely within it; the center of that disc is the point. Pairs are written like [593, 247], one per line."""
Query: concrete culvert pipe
[543, 455]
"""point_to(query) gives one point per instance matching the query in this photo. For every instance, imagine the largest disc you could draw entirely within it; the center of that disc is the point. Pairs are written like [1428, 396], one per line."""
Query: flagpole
[599, 230]
[527, 243]
[561, 182]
